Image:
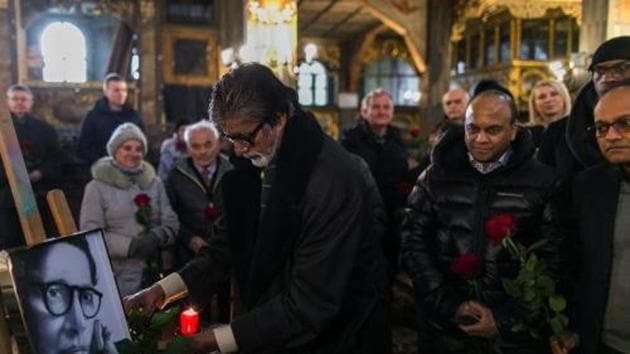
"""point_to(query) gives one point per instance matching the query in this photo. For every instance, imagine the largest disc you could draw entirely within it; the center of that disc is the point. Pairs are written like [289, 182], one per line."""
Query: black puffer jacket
[445, 219]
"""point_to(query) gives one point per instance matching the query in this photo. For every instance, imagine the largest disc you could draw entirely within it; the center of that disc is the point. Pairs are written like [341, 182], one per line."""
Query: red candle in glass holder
[189, 322]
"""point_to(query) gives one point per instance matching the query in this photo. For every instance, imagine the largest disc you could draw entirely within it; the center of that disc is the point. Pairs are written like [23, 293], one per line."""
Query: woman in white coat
[128, 201]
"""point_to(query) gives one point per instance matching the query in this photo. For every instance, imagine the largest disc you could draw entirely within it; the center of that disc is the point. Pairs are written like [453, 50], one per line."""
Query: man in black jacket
[108, 113]
[43, 159]
[480, 170]
[376, 141]
[194, 188]
[602, 205]
[610, 64]
[303, 241]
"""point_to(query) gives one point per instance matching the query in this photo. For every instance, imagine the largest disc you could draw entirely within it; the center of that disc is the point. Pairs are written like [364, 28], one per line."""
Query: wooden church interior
[332, 51]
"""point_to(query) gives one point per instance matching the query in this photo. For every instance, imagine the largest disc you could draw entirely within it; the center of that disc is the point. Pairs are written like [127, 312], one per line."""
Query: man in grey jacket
[303, 242]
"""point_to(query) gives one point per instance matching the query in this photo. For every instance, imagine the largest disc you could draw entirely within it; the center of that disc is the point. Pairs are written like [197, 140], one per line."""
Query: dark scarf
[261, 245]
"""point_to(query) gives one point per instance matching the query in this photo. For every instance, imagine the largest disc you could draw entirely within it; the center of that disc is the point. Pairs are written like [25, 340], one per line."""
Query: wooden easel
[30, 220]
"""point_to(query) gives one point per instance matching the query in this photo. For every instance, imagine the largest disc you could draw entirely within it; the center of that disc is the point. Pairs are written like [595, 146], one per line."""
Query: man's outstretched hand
[204, 342]
[147, 299]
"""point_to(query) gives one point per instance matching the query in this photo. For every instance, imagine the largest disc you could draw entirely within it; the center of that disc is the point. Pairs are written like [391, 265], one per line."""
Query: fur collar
[104, 170]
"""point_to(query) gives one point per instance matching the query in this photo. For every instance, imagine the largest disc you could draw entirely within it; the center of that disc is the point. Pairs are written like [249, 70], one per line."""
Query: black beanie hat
[489, 84]
[613, 49]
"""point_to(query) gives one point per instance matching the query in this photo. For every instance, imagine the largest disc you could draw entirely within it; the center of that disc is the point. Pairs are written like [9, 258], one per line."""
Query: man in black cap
[610, 64]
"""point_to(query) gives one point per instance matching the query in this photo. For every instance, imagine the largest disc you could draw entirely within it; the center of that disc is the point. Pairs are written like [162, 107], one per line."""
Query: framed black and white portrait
[66, 296]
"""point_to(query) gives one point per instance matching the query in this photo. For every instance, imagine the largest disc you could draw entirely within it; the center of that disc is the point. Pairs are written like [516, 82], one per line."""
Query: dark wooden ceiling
[335, 19]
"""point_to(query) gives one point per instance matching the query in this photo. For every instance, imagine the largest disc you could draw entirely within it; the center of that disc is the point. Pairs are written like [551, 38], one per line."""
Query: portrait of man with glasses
[70, 303]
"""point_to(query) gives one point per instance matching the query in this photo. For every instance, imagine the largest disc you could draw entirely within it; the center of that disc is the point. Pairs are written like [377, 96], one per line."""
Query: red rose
[499, 227]
[180, 145]
[414, 131]
[212, 213]
[467, 266]
[27, 145]
[142, 200]
[405, 188]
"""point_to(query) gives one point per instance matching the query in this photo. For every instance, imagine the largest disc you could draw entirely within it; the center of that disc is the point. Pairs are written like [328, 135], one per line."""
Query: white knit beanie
[124, 132]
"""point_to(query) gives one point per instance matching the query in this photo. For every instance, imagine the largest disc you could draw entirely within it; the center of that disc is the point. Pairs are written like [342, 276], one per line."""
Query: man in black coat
[480, 170]
[108, 113]
[303, 241]
[602, 206]
[194, 188]
[610, 64]
[376, 141]
[43, 159]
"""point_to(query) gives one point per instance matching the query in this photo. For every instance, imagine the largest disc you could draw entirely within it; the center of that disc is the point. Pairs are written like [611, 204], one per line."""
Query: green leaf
[518, 327]
[511, 287]
[179, 345]
[557, 303]
[546, 285]
[125, 346]
[529, 294]
[557, 324]
[536, 245]
[163, 318]
[532, 263]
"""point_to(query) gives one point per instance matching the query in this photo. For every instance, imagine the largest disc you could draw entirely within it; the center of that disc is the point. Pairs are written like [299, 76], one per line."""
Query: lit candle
[189, 322]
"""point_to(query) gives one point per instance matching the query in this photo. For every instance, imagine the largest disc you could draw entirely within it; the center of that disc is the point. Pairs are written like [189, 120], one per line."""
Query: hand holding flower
[485, 327]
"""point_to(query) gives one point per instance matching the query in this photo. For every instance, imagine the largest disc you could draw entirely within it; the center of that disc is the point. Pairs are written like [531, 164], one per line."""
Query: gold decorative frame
[170, 36]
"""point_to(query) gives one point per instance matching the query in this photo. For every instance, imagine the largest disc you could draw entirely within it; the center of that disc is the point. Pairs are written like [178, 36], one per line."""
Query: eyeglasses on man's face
[620, 69]
[247, 140]
[621, 126]
[59, 297]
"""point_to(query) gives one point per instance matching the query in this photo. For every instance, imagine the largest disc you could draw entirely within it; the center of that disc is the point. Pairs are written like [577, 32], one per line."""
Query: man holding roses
[449, 248]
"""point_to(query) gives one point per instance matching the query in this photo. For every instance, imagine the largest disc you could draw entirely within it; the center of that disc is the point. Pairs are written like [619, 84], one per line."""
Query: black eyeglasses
[245, 139]
[619, 69]
[58, 298]
[621, 126]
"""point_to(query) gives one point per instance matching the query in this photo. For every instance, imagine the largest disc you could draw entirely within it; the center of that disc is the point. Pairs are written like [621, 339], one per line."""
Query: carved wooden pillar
[440, 15]
[594, 22]
[601, 20]
[231, 16]
[150, 103]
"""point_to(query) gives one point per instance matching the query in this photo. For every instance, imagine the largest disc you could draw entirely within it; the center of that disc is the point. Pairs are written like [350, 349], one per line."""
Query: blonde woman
[548, 102]
[549, 106]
